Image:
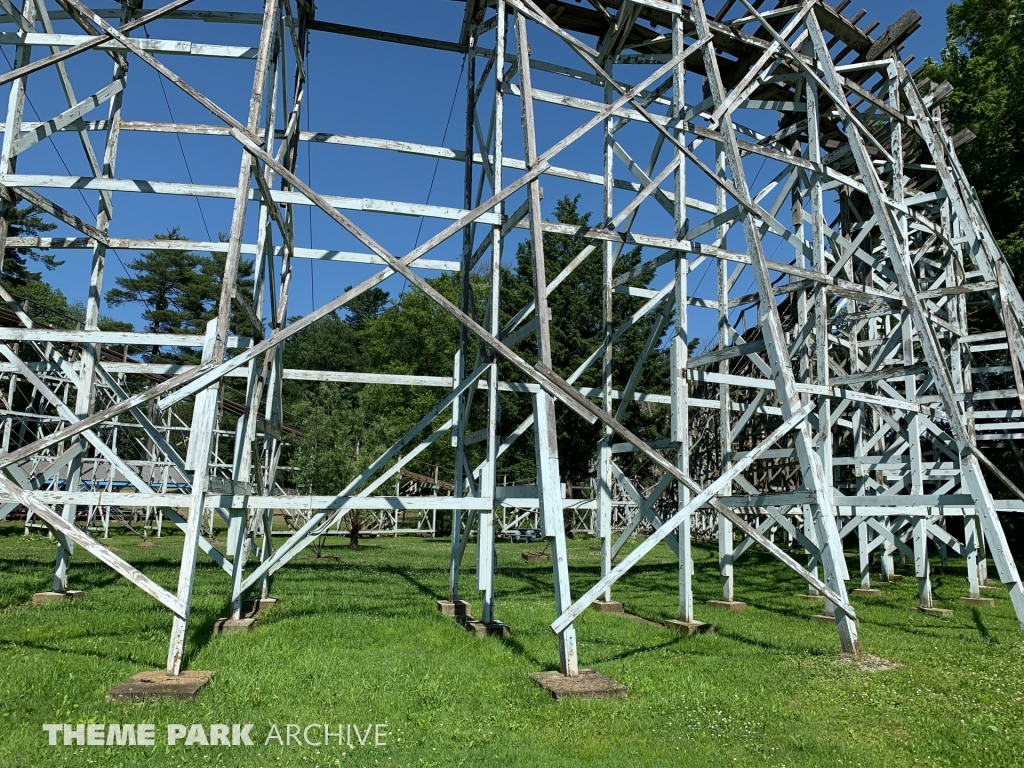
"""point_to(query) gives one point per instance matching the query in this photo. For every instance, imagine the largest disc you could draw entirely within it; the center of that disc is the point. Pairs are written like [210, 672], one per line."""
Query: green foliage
[412, 336]
[339, 439]
[984, 61]
[41, 301]
[49, 306]
[25, 221]
[179, 289]
[366, 306]
[327, 345]
[577, 329]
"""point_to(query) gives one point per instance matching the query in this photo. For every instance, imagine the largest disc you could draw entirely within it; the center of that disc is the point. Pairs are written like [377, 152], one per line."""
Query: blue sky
[359, 87]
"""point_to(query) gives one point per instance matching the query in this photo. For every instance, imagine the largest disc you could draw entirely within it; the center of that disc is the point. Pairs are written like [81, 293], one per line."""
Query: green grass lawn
[356, 638]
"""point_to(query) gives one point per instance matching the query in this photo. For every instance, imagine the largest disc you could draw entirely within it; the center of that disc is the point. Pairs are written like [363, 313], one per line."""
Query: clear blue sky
[359, 87]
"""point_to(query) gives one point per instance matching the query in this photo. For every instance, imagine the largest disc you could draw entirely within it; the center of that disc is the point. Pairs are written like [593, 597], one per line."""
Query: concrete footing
[731, 605]
[588, 684]
[979, 602]
[42, 598]
[256, 604]
[865, 593]
[809, 596]
[990, 587]
[147, 686]
[233, 626]
[494, 629]
[536, 557]
[940, 613]
[608, 606]
[458, 610]
[690, 627]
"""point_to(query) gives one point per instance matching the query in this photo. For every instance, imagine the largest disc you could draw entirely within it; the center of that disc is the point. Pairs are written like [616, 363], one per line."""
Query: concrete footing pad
[940, 613]
[233, 626]
[690, 627]
[731, 605]
[42, 598]
[536, 557]
[494, 629]
[148, 686]
[608, 606]
[990, 587]
[808, 596]
[865, 593]
[589, 684]
[256, 604]
[979, 602]
[458, 610]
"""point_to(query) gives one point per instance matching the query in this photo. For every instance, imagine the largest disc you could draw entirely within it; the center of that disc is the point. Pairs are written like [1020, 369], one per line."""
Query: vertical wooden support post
[822, 321]
[461, 529]
[860, 419]
[204, 420]
[725, 529]
[887, 566]
[960, 368]
[8, 163]
[678, 346]
[921, 569]
[805, 372]
[915, 430]
[485, 519]
[456, 546]
[971, 553]
[273, 410]
[237, 547]
[545, 428]
[462, 523]
[498, 152]
[604, 448]
[490, 483]
[240, 531]
[863, 544]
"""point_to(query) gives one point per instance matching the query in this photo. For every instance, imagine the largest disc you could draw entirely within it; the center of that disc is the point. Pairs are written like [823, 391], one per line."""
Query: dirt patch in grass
[865, 662]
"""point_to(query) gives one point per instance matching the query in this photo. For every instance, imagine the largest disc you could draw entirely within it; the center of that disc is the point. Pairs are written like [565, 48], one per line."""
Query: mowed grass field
[356, 638]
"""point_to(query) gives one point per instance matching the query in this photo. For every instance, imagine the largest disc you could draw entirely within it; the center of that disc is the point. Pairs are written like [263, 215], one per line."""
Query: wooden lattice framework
[847, 391]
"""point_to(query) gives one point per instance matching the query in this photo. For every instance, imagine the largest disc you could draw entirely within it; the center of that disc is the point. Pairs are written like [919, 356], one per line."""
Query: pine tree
[25, 221]
[366, 306]
[576, 331]
[179, 289]
[163, 281]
